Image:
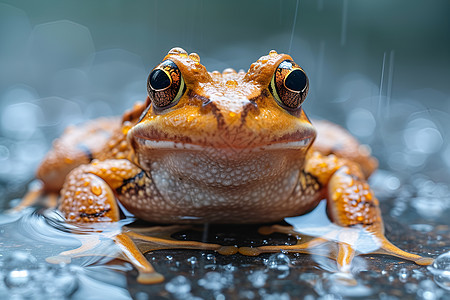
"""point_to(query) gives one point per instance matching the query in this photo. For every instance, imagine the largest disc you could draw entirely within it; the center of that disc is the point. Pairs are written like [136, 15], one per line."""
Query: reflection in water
[42, 235]
[317, 224]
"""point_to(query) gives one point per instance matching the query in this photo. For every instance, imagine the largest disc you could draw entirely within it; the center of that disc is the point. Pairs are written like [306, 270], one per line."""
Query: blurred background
[379, 68]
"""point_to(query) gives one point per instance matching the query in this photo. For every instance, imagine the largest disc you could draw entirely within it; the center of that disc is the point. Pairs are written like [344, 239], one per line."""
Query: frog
[229, 147]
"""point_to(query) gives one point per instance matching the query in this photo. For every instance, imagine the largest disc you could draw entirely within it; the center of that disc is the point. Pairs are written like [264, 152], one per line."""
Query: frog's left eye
[289, 85]
[165, 85]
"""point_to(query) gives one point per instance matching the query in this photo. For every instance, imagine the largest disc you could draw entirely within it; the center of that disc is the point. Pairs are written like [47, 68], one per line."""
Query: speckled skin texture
[226, 151]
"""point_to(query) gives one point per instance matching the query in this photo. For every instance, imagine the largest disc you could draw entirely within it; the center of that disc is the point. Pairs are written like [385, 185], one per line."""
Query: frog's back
[79, 145]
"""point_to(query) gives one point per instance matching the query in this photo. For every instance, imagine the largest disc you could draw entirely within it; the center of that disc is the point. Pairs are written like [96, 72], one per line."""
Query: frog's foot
[135, 242]
[341, 252]
[338, 243]
[352, 204]
[388, 248]
[130, 246]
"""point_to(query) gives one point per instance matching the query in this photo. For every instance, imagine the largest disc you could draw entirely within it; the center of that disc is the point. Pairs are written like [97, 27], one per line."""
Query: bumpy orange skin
[225, 152]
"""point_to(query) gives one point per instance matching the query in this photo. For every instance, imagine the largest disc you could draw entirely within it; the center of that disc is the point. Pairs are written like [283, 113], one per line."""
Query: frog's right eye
[165, 85]
[289, 85]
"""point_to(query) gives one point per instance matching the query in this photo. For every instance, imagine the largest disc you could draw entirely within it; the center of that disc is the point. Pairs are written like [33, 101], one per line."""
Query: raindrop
[192, 261]
[215, 281]
[17, 94]
[229, 268]
[178, 285]
[411, 288]
[211, 258]
[19, 121]
[429, 207]
[441, 270]
[18, 267]
[361, 122]
[415, 159]
[403, 275]
[424, 228]
[428, 290]
[279, 261]
[258, 278]
[421, 135]
[397, 161]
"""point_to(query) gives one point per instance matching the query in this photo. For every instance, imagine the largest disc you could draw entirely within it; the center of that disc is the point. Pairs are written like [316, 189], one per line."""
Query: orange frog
[211, 147]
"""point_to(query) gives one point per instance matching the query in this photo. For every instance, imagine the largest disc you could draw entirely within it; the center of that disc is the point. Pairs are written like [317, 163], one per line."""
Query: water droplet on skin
[231, 83]
[195, 57]
[216, 74]
[228, 71]
[177, 50]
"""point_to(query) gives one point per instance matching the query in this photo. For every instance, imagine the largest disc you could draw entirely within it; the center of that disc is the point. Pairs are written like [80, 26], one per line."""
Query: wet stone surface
[293, 276]
[195, 274]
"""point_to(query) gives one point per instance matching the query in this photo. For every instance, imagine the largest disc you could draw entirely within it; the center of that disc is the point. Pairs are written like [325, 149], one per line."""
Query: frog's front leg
[89, 195]
[351, 204]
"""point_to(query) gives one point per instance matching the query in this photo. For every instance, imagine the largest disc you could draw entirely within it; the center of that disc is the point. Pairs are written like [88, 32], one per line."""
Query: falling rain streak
[293, 27]
[344, 22]
[384, 101]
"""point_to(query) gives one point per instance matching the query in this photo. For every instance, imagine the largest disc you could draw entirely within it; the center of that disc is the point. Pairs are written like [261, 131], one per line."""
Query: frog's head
[233, 121]
[193, 108]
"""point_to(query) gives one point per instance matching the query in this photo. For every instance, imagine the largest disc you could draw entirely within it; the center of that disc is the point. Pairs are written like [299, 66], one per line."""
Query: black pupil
[296, 81]
[159, 79]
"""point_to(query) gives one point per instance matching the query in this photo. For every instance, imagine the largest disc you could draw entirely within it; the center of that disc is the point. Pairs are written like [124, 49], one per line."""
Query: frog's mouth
[162, 144]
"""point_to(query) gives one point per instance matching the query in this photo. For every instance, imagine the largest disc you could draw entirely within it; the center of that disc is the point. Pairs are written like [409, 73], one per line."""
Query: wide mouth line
[162, 144]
